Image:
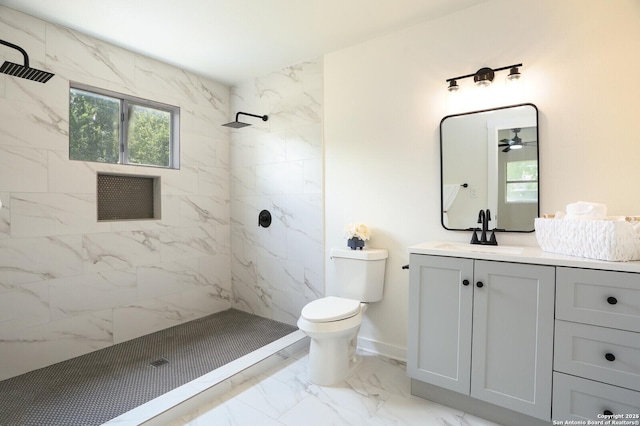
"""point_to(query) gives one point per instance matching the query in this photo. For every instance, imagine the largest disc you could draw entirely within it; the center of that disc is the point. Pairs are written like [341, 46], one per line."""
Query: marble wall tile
[68, 176]
[181, 182]
[122, 250]
[24, 305]
[5, 215]
[312, 176]
[280, 178]
[180, 243]
[146, 316]
[23, 169]
[59, 267]
[86, 293]
[216, 270]
[278, 166]
[202, 211]
[198, 149]
[45, 214]
[198, 302]
[304, 142]
[24, 260]
[34, 125]
[214, 182]
[89, 56]
[25, 31]
[41, 345]
[168, 278]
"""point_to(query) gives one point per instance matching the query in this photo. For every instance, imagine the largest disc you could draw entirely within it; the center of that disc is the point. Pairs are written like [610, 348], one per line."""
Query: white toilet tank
[360, 273]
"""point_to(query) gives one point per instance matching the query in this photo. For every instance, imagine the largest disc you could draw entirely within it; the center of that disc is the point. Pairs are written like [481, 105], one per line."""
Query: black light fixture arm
[475, 73]
[263, 117]
[18, 48]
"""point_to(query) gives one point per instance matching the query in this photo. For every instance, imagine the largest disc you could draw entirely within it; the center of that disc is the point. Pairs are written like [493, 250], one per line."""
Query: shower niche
[127, 197]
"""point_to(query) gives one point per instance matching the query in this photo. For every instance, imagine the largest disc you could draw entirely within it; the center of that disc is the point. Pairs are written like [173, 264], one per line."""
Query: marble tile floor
[376, 394]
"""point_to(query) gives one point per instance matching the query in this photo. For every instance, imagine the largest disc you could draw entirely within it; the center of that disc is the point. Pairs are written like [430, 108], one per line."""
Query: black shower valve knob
[264, 218]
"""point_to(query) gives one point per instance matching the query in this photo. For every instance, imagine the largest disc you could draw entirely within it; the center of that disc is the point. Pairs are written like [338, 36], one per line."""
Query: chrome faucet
[484, 217]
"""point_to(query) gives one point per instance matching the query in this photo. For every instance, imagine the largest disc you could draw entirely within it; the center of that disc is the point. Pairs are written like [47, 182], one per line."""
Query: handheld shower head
[239, 124]
[23, 71]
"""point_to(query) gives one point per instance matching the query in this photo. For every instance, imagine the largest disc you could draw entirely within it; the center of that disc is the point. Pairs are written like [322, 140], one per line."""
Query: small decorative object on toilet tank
[356, 234]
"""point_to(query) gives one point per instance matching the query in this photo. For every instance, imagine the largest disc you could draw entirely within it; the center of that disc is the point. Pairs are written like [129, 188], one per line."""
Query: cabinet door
[513, 336]
[440, 305]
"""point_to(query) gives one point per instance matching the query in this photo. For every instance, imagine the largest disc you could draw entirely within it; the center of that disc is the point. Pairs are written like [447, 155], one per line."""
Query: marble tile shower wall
[277, 165]
[68, 284]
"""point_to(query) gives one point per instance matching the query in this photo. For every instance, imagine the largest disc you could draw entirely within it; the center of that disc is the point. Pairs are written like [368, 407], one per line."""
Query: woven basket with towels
[585, 230]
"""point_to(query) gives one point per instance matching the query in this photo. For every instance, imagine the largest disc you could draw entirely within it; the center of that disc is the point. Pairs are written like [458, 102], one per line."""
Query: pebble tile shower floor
[94, 388]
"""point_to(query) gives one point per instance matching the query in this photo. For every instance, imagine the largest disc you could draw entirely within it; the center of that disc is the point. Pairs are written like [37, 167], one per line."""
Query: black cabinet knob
[610, 357]
[479, 284]
[607, 413]
[612, 300]
[465, 282]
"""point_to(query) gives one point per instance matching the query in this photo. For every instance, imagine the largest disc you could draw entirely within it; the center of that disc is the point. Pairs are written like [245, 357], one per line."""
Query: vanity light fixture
[484, 76]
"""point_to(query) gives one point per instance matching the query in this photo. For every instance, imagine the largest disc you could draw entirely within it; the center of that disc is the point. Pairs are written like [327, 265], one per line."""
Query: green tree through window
[119, 129]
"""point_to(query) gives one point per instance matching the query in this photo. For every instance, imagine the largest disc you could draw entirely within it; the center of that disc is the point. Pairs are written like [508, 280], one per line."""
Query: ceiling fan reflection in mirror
[515, 142]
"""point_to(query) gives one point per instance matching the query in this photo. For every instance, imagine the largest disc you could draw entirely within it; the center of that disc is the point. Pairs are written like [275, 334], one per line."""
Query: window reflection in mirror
[495, 153]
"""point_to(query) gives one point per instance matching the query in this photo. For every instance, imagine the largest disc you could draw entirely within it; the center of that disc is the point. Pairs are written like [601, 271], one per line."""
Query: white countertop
[520, 254]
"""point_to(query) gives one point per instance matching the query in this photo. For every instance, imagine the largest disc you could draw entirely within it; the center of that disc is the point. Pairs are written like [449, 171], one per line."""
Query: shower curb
[188, 397]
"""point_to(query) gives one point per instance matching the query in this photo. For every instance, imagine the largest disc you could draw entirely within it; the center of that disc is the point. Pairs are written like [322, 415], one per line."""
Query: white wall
[68, 284]
[277, 165]
[384, 99]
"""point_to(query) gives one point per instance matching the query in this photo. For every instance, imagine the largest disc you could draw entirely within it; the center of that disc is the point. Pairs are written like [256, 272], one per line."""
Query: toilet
[333, 322]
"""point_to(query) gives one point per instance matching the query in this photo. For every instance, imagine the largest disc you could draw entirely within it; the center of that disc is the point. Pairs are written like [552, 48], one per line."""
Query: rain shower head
[239, 124]
[23, 71]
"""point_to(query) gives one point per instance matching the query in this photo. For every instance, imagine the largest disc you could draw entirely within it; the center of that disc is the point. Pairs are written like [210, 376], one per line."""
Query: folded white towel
[583, 210]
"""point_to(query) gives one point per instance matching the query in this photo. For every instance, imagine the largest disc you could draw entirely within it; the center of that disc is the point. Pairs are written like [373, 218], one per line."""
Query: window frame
[125, 102]
[507, 182]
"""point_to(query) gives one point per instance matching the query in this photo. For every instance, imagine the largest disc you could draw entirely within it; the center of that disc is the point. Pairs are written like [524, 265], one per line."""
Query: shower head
[239, 124]
[23, 71]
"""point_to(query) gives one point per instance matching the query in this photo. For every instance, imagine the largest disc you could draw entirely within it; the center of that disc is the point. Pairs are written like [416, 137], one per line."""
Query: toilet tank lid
[365, 254]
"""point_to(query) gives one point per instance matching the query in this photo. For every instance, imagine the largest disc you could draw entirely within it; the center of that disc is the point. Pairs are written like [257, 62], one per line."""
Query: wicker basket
[612, 240]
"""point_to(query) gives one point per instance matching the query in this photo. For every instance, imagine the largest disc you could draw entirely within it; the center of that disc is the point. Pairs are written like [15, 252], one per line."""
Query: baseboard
[380, 348]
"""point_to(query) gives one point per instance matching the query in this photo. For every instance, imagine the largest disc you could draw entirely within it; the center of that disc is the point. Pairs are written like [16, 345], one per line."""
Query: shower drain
[159, 362]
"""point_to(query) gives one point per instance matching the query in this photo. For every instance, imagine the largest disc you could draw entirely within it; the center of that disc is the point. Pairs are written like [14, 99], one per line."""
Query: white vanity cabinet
[597, 345]
[484, 329]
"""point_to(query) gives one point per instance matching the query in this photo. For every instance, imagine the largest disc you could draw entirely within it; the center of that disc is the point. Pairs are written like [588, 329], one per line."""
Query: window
[112, 128]
[522, 181]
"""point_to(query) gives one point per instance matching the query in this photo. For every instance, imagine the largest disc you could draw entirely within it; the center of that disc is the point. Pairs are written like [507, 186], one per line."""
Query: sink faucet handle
[492, 240]
[474, 237]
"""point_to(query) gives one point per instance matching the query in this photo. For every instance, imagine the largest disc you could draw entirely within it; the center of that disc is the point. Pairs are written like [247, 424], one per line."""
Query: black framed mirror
[489, 160]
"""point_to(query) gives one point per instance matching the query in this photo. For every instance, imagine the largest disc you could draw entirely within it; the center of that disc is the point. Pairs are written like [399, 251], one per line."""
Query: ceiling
[232, 41]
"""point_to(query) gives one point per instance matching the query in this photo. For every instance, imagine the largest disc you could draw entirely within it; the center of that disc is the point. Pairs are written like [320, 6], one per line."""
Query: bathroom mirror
[489, 160]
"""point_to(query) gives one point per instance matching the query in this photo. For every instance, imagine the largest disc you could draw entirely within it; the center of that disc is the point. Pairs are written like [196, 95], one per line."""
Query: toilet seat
[328, 309]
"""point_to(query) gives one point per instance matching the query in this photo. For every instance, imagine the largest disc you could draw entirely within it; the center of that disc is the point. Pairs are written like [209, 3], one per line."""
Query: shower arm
[263, 117]
[20, 49]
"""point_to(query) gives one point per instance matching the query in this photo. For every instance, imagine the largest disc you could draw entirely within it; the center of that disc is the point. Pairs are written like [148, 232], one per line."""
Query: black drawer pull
[479, 284]
[610, 357]
[612, 300]
[607, 413]
[465, 282]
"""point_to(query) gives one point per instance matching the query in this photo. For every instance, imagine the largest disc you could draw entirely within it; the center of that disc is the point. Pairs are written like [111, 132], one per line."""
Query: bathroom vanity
[521, 336]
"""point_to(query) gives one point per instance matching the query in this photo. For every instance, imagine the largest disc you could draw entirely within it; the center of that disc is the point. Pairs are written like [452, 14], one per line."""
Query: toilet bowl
[332, 323]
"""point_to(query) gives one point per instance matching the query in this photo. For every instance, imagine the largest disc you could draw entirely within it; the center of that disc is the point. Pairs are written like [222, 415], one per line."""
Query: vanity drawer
[575, 398]
[605, 298]
[598, 353]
